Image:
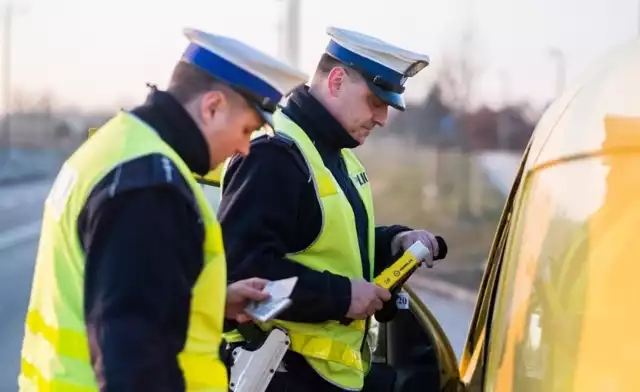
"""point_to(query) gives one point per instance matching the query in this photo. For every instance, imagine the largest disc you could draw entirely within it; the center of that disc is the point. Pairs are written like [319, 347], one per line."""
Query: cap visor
[392, 99]
[266, 116]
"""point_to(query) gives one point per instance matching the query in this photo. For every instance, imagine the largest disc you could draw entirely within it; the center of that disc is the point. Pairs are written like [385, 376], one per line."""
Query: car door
[413, 352]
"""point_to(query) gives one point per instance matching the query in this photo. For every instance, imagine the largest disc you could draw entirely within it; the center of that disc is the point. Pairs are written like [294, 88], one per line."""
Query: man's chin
[361, 137]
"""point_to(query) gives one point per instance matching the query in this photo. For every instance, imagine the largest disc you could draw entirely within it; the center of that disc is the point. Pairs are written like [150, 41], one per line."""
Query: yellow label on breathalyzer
[399, 270]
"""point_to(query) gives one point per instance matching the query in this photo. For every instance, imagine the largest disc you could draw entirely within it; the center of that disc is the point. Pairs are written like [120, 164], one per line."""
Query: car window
[413, 351]
[472, 363]
[564, 316]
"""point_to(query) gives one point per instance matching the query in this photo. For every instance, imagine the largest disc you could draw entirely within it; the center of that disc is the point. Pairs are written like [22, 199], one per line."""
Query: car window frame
[475, 351]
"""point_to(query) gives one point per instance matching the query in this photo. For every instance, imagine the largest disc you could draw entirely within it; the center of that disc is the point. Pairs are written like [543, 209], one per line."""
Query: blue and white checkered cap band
[235, 76]
[371, 67]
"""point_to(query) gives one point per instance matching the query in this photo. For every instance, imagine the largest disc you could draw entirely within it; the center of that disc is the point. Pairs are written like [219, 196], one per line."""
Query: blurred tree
[62, 130]
[460, 71]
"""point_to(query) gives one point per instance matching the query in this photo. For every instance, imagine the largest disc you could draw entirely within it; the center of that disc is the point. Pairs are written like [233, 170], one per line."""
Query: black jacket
[142, 238]
[269, 208]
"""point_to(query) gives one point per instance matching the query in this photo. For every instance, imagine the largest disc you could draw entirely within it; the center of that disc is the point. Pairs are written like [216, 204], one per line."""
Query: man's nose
[380, 115]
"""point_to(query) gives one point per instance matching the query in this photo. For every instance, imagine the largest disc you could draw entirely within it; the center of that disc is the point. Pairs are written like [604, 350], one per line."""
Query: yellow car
[558, 306]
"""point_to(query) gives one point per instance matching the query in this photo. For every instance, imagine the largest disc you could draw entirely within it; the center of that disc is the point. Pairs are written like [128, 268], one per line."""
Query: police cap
[384, 66]
[260, 78]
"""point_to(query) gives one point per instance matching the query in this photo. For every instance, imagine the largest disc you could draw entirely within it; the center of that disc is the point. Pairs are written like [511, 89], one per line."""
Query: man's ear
[211, 102]
[336, 79]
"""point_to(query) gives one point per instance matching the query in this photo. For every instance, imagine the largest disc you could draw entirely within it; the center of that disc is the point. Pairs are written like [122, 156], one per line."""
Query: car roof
[574, 124]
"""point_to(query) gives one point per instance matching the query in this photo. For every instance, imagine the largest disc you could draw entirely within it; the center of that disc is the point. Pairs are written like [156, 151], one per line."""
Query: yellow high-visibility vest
[338, 353]
[55, 351]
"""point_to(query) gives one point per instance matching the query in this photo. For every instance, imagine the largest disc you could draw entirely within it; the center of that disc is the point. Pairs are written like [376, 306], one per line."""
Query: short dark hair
[188, 81]
[328, 62]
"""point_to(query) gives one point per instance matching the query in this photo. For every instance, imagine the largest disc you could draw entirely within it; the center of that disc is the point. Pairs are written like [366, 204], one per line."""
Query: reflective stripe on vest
[55, 350]
[331, 348]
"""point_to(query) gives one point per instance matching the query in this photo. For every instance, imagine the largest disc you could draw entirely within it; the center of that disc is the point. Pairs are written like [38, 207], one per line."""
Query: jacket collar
[321, 127]
[176, 127]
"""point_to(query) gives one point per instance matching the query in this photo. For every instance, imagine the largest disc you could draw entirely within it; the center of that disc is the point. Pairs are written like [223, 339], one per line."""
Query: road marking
[9, 238]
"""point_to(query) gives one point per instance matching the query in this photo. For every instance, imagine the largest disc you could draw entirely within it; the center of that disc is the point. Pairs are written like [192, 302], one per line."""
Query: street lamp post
[289, 32]
[9, 12]
[558, 56]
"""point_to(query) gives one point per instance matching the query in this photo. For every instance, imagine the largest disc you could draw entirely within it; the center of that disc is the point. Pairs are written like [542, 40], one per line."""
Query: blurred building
[43, 129]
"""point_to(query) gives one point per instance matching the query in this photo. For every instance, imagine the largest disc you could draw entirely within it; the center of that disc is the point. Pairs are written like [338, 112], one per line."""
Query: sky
[99, 54]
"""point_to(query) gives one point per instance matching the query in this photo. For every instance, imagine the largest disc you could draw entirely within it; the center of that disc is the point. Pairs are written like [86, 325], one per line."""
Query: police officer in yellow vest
[300, 205]
[130, 288]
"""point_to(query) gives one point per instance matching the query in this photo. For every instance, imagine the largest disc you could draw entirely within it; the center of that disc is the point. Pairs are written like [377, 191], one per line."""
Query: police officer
[300, 205]
[129, 291]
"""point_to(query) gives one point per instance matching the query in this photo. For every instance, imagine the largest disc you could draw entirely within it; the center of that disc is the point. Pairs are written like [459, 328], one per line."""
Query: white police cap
[260, 78]
[386, 67]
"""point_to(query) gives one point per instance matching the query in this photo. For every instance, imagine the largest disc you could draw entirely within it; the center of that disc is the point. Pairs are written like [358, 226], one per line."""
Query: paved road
[20, 210]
